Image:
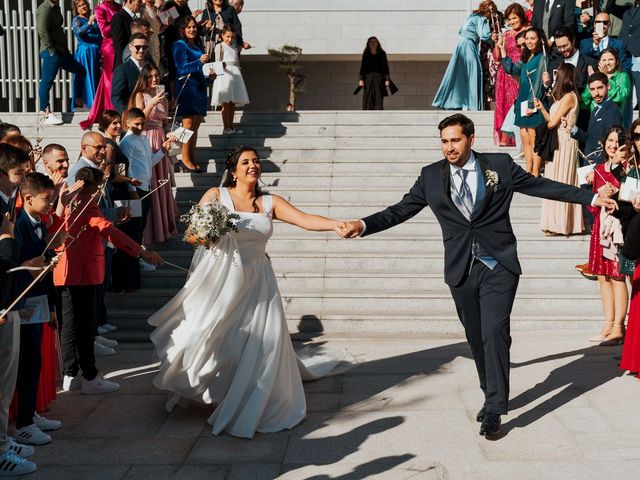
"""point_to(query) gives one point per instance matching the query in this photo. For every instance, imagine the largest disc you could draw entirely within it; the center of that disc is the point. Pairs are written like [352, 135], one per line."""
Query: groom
[470, 194]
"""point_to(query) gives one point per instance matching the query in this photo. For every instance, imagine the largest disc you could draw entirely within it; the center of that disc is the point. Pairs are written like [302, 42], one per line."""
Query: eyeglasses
[97, 147]
[604, 22]
[140, 47]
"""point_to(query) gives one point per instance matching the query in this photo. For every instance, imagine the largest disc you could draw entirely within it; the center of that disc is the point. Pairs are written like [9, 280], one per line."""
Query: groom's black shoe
[480, 415]
[490, 425]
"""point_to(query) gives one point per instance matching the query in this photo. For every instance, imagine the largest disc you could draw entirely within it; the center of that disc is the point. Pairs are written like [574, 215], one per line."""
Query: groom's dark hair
[458, 119]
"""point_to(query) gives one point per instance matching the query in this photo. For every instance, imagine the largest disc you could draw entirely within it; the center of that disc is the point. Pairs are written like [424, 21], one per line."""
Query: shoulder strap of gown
[267, 204]
[225, 198]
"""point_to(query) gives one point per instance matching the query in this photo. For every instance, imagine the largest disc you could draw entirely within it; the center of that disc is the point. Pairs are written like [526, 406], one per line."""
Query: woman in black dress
[374, 75]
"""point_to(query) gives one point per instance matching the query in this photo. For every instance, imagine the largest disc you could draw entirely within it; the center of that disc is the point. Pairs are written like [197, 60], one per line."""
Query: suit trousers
[28, 373]
[483, 302]
[78, 330]
[51, 64]
[9, 354]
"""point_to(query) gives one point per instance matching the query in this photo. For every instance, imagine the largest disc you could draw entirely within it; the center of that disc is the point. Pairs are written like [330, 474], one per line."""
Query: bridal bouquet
[207, 223]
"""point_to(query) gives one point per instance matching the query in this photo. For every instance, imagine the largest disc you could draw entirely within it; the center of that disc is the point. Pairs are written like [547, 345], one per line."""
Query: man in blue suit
[592, 47]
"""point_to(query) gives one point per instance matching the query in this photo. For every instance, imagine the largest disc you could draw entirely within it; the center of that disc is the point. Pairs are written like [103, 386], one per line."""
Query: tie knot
[463, 173]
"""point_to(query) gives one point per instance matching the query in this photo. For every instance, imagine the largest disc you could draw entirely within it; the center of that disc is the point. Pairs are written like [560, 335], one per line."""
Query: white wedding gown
[224, 339]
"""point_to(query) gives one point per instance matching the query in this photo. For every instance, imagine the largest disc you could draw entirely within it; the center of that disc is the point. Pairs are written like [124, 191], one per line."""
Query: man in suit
[564, 40]
[630, 36]
[605, 115]
[121, 27]
[592, 47]
[139, 25]
[126, 75]
[470, 194]
[549, 15]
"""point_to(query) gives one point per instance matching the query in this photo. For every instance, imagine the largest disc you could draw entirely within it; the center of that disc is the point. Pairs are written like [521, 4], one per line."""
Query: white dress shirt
[141, 158]
[573, 59]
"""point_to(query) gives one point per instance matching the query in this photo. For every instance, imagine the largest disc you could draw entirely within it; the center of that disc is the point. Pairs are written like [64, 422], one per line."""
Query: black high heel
[186, 169]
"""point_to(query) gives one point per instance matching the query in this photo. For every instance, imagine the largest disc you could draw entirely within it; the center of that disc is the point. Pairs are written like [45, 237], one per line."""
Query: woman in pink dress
[102, 101]
[161, 223]
[506, 89]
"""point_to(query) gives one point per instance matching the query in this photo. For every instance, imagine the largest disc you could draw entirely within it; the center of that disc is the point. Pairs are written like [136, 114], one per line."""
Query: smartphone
[159, 89]
[600, 30]
[622, 139]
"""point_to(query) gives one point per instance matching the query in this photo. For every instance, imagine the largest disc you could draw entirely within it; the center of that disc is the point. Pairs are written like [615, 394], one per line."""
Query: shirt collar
[131, 14]
[34, 221]
[470, 165]
[573, 59]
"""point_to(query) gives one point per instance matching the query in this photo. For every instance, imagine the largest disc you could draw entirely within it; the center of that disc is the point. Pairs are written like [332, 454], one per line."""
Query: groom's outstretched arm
[412, 202]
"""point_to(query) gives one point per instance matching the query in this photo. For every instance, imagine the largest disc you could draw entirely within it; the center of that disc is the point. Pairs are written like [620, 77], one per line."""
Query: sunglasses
[635, 136]
[97, 147]
[604, 22]
[140, 47]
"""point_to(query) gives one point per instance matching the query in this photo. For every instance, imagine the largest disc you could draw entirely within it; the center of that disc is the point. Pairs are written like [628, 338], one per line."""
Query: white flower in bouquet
[207, 223]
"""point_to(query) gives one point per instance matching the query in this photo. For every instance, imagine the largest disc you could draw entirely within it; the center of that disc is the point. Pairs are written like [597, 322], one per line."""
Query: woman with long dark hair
[619, 82]
[530, 68]
[223, 339]
[461, 86]
[374, 75]
[559, 218]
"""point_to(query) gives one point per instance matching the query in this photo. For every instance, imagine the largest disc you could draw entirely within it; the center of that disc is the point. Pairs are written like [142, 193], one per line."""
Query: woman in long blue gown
[87, 53]
[461, 86]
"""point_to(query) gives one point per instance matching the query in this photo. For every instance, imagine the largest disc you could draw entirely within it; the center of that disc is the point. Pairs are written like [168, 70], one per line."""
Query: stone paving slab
[407, 411]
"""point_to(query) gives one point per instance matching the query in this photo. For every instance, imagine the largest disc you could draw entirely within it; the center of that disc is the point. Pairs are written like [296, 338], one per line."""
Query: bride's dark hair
[232, 163]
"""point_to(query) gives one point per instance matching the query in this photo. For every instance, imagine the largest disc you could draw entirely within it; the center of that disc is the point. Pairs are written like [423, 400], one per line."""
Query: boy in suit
[38, 197]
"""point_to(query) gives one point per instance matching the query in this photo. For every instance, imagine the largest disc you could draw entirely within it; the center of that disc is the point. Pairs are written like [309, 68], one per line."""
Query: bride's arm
[284, 211]
[210, 195]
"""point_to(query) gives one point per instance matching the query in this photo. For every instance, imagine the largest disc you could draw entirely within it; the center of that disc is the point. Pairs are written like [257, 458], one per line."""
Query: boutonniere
[492, 179]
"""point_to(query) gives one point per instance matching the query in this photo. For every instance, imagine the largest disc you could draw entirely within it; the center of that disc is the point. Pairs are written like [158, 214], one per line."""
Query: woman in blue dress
[190, 89]
[87, 53]
[532, 64]
[461, 86]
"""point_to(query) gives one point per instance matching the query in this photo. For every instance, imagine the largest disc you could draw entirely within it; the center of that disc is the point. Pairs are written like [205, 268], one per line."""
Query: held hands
[350, 229]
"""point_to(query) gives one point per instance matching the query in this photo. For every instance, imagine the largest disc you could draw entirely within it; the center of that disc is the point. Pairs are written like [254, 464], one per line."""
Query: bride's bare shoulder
[210, 195]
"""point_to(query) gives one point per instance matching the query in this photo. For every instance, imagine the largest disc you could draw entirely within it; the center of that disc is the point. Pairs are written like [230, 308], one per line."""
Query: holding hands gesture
[350, 229]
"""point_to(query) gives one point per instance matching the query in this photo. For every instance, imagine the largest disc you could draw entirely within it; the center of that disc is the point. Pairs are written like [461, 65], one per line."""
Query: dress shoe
[582, 266]
[490, 425]
[480, 415]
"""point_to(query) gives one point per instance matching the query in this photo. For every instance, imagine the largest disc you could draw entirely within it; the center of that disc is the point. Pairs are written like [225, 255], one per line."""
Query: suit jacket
[124, 80]
[120, 33]
[586, 49]
[561, 15]
[9, 258]
[600, 121]
[582, 68]
[489, 224]
[630, 31]
[82, 263]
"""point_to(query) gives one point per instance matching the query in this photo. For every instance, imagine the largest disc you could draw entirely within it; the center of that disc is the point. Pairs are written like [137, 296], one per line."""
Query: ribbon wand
[161, 183]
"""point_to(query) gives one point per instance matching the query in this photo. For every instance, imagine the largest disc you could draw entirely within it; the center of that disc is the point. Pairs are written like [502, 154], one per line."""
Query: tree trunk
[292, 90]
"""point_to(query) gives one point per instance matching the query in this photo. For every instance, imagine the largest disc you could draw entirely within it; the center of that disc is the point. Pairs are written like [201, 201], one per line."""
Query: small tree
[288, 57]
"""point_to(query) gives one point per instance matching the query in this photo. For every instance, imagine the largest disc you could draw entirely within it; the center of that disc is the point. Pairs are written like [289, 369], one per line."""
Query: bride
[223, 339]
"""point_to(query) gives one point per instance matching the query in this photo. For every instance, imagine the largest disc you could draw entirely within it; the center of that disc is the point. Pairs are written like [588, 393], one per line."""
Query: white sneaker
[109, 328]
[45, 424]
[146, 266]
[228, 131]
[98, 385]
[100, 350]
[52, 119]
[20, 448]
[70, 383]
[107, 342]
[12, 464]
[31, 435]
[237, 131]
[102, 330]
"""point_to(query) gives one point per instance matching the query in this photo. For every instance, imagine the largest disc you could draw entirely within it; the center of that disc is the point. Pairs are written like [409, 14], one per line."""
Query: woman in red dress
[613, 287]
[506, 89]
[631, 351]
[102, 101]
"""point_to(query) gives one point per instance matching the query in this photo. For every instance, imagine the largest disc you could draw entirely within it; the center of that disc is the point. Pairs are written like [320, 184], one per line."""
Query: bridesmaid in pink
[161, 222]
[506, 90]
[102, 101]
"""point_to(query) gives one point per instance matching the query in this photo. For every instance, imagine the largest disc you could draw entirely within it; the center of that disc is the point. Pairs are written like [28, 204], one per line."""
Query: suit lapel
[488, 192]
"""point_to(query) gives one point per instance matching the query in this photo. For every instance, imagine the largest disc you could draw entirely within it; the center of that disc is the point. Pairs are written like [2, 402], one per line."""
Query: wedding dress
[223, 338]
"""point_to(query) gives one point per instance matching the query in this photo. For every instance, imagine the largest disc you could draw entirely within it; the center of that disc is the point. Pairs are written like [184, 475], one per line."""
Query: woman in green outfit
[533, 63]
[619, 82]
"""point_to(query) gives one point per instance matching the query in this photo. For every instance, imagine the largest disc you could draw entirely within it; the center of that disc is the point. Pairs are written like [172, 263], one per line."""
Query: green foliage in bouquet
[208, 223]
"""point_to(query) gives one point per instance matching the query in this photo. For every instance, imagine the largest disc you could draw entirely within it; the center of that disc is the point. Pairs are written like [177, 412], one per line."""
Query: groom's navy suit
[483, 296]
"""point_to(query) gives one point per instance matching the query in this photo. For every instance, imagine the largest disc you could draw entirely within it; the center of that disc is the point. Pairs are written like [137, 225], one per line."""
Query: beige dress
[559, 217]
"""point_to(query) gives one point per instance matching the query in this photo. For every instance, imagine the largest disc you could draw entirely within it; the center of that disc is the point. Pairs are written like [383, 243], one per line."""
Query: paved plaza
[407, 411]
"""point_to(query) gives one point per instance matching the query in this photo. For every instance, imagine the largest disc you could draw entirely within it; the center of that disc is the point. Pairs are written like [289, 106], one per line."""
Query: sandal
[615, 337]
[604, 334]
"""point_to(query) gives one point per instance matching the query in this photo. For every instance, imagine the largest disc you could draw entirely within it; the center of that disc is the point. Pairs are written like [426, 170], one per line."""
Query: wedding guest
[603, 262]
[55, 160]
[104, 12]
[121, 27]
[529, 11]
[126, 75]
[461, 86]
[630, 36]
[559, 218]
[78, 273]
[619, 82]
[506, 89]
[55, 55]
[150, 11]
[38, 197]
[88, 40]
[374, 75]
[7, 129]
[216, 15]
[550, 15]
[594, 46]
[143, 26]
[530, 70]
[190, 90]
[238, 5]
[172, 35]
[161, 224]
[565, 45]
[125, 272]
[229, 90]
[631, 351]
[583, 20]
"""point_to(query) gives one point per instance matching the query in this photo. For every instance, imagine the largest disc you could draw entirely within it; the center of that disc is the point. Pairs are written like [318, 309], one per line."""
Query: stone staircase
[346, 165]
